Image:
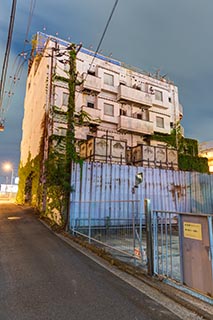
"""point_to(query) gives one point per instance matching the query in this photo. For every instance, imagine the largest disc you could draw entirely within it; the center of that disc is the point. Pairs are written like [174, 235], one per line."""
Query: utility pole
[71, 155]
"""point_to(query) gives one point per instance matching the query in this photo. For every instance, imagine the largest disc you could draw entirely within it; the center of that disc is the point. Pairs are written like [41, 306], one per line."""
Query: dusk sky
[173, 36]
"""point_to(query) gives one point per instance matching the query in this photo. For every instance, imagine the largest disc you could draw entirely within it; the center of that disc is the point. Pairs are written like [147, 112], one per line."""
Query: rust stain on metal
[177, 190]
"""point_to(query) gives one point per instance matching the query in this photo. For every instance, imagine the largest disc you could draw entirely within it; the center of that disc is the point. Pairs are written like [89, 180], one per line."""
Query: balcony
[134, 125]
[93, 113]
[134, 95]
[91, 83]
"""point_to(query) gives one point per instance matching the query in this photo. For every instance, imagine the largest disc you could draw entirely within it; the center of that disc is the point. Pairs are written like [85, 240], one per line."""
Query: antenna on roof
[157, 73]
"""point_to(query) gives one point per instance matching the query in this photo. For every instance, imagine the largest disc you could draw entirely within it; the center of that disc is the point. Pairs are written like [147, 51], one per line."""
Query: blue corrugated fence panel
[103, 190]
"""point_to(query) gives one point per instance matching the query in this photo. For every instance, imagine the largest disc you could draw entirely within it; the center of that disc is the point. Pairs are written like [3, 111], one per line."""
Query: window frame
[107, 82]
[65, 100]
[109, 114]
[158, 95]
[90, 105]
[158, 124]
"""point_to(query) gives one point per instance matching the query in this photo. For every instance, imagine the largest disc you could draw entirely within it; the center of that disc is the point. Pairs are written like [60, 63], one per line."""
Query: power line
[7, 52]
[18, 64]
[101, 40]
[104, 32]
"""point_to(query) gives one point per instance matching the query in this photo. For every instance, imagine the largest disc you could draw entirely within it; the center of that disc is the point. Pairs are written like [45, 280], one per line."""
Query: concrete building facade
[124, 104]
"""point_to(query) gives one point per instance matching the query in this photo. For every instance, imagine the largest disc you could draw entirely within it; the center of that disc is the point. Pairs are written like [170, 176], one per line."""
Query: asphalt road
[43, 278]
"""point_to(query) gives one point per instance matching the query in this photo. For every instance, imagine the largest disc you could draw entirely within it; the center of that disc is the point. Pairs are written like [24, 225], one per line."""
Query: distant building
[125, 105]
[206, 151]
[6, 188]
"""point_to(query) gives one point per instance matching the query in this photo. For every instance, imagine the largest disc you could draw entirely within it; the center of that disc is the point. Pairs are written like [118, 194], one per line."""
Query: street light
[8, 167]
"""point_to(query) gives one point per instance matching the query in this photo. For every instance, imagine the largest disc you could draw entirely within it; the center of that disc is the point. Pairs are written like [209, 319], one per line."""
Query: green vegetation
[45, 180]
[29, 190]
[190, 163]
[188, 159]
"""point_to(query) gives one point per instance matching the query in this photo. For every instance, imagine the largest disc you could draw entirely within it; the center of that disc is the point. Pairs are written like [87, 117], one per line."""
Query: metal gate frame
[165, 241]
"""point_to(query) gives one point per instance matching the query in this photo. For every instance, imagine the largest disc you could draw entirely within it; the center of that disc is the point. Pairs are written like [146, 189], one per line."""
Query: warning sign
[192, 230]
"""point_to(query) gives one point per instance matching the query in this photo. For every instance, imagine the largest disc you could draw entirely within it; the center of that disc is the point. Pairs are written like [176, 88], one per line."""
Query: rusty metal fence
[168, 190]
[98, 213]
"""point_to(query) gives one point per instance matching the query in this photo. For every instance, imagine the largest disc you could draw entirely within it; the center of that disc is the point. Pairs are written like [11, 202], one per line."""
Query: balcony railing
[134, 95]
[93, 113]
[135, 125]
[91, 82]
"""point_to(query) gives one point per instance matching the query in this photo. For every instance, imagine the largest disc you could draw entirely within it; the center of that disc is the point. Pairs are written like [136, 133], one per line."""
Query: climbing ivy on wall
[29, 190]
[62, 151]
[190, 163]
[169, 139]
[46, 184]
[188, 159]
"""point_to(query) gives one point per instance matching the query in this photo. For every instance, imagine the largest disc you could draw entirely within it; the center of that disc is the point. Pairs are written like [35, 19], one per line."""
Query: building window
[90, 105]
[65, 99]
[92, 73]
[160, 122]
[91, 101]
[170, 99]
[108, 109]
[109, 79]
[158, 95]
[122, 112]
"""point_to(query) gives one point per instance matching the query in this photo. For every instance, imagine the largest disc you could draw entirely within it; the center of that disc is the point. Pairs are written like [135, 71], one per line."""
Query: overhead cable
[7, 52]
[103, 35]
[19, 62]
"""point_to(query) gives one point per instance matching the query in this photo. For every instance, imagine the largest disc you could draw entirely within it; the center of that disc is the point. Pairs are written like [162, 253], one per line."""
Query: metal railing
[157, 240]
[124, 237]
[166, 244]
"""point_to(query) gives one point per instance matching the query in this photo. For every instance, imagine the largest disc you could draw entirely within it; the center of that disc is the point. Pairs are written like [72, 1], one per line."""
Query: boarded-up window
[158, 95]
[65, 99]
[109, 79]
[108, 109]
[160, 122]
